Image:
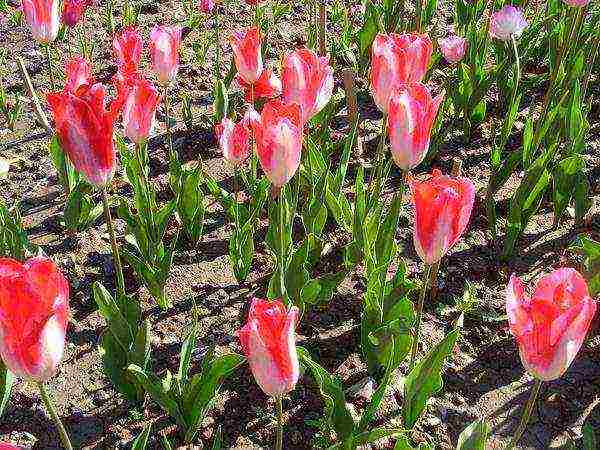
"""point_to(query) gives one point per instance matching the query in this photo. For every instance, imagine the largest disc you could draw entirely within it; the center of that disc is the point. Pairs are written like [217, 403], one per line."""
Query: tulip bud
[412, 112]
[43, 18]
[234, 140]
[73, 11]
[577, 3]
[246, 46]
[507, 22]
[34, 312]
[127, 46]
[269, 342]
[551, 325]
[278, 137]
[164, 51]
[307, 79]
[139, 109]
[453, 48]
[443, 208]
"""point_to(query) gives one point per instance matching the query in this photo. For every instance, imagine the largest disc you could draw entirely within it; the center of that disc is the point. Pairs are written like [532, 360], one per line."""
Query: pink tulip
[254, 2]
[246, 46]
[85, 127]
[307, 79]
[234, 140]
[206, 6]
[278, 137]
[128, 46]
[269, 342]
[139, 109]
[577, 3]
[78, 72]
[73, 11]
[34, 312]
[397, 59]
[7, 446]
[453, 48]
[43, 17]
[164, 51]
[411, 114]
[550, 326]
[443, 208]
[507, 22]
[267, 86]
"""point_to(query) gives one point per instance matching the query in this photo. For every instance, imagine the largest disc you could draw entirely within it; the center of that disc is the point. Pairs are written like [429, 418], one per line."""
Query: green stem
[517, 71]
[217, 45]
[526, 414]
[54, 415]
[281, 244]
[113, 243]
[167, 119]
[49, 61]
[235, 198]
[279, 443]
[415, 343]
[380, 158]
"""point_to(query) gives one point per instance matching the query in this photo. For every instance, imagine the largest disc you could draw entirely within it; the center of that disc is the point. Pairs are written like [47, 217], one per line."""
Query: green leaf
[218, 440]
[66, 173]
[142, 440]
[7, 380]
[185, 358]
[474, 437]
[221, 104]
[117, 323]
[370, 28]
[590, 442]
[424, 380]
[565, 178]
[333, 395]
[403, 443]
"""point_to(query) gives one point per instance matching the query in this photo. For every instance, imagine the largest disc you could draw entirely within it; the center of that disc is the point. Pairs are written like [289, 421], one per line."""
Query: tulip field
[248, 224]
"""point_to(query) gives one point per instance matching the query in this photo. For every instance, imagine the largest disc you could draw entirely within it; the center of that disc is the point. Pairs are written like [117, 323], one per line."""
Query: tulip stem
[377, 172]
[281, 243]
[535, 390]
[49, 61]
[113, 243]
[415, 343]
[168, 119]
[217, 45]
[279, 442]
[517, 71]
[54, 415]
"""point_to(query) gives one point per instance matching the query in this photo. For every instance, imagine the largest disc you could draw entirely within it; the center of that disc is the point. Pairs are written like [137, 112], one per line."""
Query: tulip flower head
[7, 446]
[411, 114]
[268, 85]
[34, 312]
[269, 342]
[307, 79]
[278, 137]
[127, 46]
[164, 51]
[206, 6]
[79, 73]
[443, 207]
[84, 125]
[246, 46]
[139, 109]
[397, 59]
[234, 140]
[577, 3]
[507, 23]
[73, 11]
[551, 325]
[453, 48]
[43, 17]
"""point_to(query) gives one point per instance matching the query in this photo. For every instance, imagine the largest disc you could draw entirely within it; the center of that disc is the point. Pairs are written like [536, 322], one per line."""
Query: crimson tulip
[411, 114]
[278, 136]
[34, 312]
[443, 206]
[269, 342]
[550, 326]
[128, 46]
[84, 126]
[268, 85]
[43, 17]
[139, 108]
[307, 79]
[397, 59]
[246, 46]
[164, 51]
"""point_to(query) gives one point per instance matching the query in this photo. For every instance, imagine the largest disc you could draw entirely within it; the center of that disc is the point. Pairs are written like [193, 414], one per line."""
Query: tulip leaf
[221, 103]
[185, 358]
[565, 177]
[403, 443]
[142, 440]
[590, 441]
[7, 380]
[332, 392]
[370, 28]
[424, 380]
[474, 437]
[66, 172]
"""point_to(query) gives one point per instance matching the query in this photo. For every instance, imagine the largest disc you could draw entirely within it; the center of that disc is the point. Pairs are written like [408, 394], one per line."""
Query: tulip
[267, 86]
[85, 129]
[549, 327]
[412, 112]
[139, 109]
[79, 73]
[278, 137]
[43, 18]
[246, 46]
[307, 79]
[269, 342]
[507, 24]
[443, 208]
[253, 2]
[7, 446]
[577, 3]
[397, 59]
[73, 11]
[234, 140]
[206, 6]
[453, 48]
[127, 46]
[164, 51]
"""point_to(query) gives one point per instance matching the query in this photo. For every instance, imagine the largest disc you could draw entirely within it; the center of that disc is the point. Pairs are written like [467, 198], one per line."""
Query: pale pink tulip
[164, 51]
[453, 48]
[507, 22]
[234, 140]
